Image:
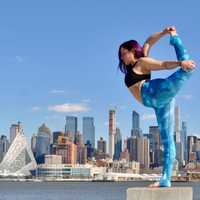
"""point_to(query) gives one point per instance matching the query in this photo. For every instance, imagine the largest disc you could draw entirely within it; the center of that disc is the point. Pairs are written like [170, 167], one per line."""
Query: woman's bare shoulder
[144, 59]
[143, 62]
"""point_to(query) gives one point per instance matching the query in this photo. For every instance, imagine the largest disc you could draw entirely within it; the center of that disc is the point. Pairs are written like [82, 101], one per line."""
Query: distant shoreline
[79, 180]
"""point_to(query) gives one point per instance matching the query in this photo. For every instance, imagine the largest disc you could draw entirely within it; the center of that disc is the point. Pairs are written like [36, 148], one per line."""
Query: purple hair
[129, 45]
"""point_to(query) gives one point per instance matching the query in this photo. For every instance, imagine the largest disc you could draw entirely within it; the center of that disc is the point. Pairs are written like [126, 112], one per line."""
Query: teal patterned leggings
[159, 94]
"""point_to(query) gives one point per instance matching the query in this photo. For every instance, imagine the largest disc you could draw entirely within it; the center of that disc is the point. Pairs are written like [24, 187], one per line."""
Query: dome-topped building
[44, 129]
[43, 141]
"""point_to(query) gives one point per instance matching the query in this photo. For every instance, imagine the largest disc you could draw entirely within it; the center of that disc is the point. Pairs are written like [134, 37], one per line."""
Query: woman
[157, 93]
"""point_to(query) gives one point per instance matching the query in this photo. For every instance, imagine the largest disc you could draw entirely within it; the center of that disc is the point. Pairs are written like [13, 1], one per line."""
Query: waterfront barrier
[162, 193]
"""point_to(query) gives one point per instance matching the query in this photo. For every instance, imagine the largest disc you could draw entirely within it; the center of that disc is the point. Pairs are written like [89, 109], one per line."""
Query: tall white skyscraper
[179, 145]
[112, 132]
[15, 129]
[177, 126]
[184, 139]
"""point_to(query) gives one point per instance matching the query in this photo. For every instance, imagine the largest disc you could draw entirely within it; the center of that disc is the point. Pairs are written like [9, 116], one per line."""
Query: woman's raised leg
[177, 79]
[172, 84]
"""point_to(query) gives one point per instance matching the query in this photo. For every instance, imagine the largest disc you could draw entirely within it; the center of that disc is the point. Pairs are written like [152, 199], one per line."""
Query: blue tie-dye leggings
[159, 94]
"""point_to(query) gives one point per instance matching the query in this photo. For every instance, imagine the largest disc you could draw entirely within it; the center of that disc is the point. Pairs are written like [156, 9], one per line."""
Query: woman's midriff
[136, 90]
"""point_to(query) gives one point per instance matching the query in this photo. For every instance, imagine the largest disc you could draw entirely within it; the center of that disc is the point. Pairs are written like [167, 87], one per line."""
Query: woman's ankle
[173, 33]
[165, 183]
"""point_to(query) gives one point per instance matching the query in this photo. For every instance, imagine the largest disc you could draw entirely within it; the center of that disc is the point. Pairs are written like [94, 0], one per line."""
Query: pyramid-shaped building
[19, 160]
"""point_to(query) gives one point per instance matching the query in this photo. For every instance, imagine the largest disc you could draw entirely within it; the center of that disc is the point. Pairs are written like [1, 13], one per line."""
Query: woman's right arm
[151, 64]
[151, 40]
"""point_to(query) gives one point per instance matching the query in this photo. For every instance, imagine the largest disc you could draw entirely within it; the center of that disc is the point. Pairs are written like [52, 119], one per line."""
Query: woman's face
[126, 56]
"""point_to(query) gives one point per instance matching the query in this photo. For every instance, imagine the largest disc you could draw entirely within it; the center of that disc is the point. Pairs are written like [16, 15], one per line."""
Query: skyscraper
[89, 130]
[67, 149]
[81, 149]
[56, 134]
[112, 132]
[179, 145]
[101, 146]
[146, 152]
[132, 148]
[43, 143]
[118, 144]
[33, 144]
[177, 126]
[15, 129]
[71, 126]
[135, 124]
[143, 152]
[184, 139]
[155, 145]
[197, 149]
[4, 145]
[191, 141]
[125, 143]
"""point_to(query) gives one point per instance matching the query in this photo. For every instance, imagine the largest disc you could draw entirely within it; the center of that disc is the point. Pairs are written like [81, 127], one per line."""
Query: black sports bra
[131, 77]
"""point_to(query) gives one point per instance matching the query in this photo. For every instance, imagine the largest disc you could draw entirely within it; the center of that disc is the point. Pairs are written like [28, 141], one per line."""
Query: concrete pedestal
[162, 193]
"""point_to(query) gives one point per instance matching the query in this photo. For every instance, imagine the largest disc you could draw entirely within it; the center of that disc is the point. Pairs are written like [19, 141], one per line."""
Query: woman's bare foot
[154, 185]
[172, 31]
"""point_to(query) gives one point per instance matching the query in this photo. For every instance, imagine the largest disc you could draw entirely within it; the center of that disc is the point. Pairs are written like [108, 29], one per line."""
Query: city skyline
[56, 63]
[135, 120]
[144, 148]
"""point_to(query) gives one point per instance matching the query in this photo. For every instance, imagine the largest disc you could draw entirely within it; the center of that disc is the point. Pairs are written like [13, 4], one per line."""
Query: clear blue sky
[60, 56]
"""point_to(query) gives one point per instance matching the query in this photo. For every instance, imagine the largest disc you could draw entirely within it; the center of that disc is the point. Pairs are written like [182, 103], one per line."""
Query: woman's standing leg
[165, 119]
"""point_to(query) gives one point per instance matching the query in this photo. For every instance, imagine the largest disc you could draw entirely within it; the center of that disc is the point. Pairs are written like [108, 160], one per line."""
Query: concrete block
[162, 193]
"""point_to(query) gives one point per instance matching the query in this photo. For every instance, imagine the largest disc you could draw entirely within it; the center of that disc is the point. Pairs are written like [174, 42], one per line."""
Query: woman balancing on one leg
[157, 93]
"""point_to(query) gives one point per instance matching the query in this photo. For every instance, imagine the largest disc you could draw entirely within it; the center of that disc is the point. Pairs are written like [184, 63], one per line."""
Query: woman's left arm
[154, 38]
